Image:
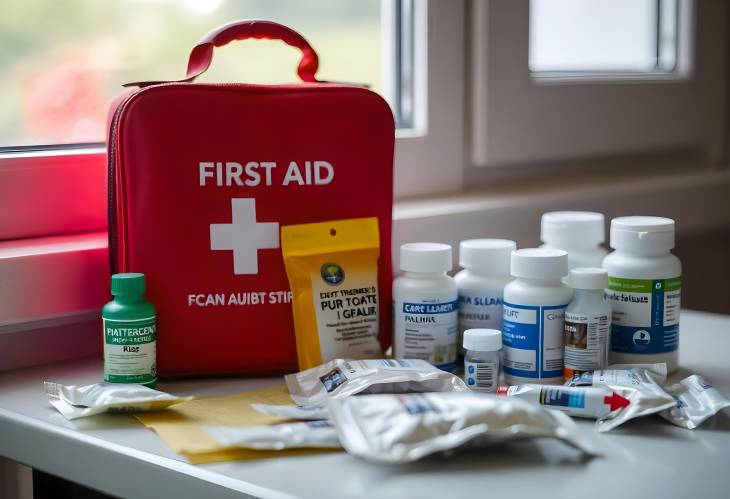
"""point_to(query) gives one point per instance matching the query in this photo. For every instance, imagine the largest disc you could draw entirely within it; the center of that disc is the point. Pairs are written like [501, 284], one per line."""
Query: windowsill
[696, 201]
[62, 281]
[41, 278]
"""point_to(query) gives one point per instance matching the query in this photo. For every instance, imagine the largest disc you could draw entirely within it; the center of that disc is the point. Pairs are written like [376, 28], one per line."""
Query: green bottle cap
[129, 284]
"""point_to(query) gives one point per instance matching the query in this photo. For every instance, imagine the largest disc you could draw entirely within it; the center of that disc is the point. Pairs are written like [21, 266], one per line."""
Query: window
[595, 36]
[60, 75]
[558, 81]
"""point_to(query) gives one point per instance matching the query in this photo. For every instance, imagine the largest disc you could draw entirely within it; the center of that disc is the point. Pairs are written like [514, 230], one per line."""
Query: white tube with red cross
[592, 402]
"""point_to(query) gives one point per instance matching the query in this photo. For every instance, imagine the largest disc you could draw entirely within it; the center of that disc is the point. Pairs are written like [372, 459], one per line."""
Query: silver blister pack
[312, 434]
[340, 378]
[401, 428]
[82, 401]
[697, 401]
[311, 413]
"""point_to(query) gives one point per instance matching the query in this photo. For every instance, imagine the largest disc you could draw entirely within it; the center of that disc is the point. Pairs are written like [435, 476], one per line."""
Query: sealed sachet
[400, 428]
[340, 378]
[311, 434]
[302, 413]
[81, 401]
[697, 401]
[637, 385]
[333, 274]
[658, 370]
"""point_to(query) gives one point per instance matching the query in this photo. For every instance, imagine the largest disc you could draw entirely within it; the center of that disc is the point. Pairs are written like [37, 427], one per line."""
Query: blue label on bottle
[533, 340]
[654, 339]
[431, 308]
[557, 396]
[645, 315]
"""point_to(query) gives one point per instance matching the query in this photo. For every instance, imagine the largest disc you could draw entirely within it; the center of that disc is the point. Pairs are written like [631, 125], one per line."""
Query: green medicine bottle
[130, 333]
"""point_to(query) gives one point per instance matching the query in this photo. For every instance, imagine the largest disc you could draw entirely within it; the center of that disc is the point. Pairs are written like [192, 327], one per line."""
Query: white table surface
[117, 455]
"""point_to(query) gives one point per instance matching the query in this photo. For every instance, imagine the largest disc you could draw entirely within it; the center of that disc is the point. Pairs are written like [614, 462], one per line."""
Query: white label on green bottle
[130, 351]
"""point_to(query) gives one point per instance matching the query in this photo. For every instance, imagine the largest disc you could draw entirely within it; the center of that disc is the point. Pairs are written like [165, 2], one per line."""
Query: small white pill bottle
[482, 359]
[644, 289]
[580, 233]
[425, 306]
[587, 322]
[481, 283]
[534, 315]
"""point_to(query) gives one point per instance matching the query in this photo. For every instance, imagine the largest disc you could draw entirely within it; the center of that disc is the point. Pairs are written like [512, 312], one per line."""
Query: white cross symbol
[244, 236]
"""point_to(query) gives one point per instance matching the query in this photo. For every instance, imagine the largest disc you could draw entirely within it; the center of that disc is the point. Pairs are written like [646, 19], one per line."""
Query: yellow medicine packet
[333, 274]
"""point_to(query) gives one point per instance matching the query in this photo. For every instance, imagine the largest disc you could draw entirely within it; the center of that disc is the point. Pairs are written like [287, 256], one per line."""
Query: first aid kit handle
[202, 54]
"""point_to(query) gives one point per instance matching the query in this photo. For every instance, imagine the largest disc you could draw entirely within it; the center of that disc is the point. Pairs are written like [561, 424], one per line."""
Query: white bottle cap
[572, 228]
[588, 278]
[539, 263]
[425, 257]
[483, 340]
[642, 233]
[489, 255]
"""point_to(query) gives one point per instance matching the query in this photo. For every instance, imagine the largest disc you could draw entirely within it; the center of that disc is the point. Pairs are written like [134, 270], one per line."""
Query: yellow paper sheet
[180, 426]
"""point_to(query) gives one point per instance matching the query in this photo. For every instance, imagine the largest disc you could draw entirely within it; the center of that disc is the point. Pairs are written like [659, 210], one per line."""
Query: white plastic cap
[588, 278]
[489, 255]
[425, 257]
[642, 233]
[483, 340]
[572, 228]
[539, 263]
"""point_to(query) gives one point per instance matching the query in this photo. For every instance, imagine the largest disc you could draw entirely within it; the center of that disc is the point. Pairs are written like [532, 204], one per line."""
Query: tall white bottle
[644, 290]
[580, 233]
[425, 306]
[481, 283]
[534, 316]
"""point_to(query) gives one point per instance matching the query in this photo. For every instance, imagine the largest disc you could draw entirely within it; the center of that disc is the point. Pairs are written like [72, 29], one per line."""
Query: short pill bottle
[534, 316]
[481, 283]
[482, 359]
[644, 291]
[587, 322]
[425, 306]
[580, 233]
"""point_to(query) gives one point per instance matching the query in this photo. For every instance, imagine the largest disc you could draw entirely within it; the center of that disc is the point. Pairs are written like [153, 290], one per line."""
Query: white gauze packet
[311, 413]
[82, 401]
[401, 428]
[312, 434]
[340, 378]
[638, 385]
[658, 371]
[697, 401]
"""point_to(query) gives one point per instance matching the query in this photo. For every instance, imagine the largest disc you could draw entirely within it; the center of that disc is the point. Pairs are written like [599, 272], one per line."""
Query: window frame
[429, 157]
[525, 119]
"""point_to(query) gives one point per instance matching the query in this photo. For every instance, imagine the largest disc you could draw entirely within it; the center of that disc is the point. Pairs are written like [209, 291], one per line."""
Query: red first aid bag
[201, 179]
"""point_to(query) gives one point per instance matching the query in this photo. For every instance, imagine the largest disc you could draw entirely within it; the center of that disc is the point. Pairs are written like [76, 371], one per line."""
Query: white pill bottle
[534, 317]
[644, 290]
[481, 283]
[425, 306]
[580, 233]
